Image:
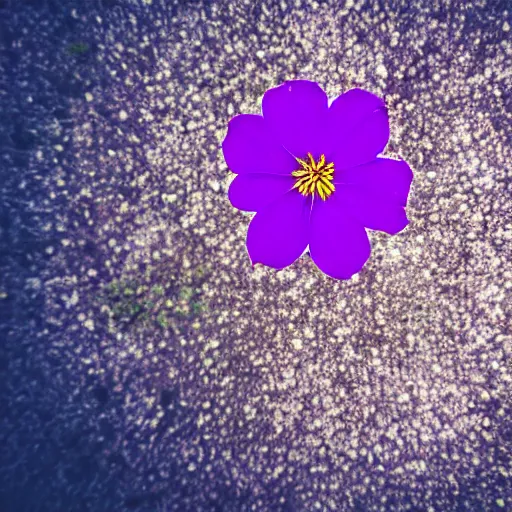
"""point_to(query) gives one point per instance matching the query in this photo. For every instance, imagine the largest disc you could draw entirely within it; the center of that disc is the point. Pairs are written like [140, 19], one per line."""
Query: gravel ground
[146, 366]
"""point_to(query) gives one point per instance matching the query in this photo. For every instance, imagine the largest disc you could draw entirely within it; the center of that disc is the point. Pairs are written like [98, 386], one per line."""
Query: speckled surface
[146, 366]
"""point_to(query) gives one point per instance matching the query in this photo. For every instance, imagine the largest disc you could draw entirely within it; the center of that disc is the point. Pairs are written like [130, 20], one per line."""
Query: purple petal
[372, 209]
[338, 243]
[296, 111]
[278, 234]
[252, 192]
[390, 179]
[250, 147]
[359, 128]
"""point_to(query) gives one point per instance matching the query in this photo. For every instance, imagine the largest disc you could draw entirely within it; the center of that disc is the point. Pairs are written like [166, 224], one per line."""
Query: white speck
[436, 368]
[485, 396]
[89, 324]
[297, 344]
[506, 26]
[403, 398]
[215, 185]
[169, 198]
[260, 54]
[88, 97]
[289, 373]
[381, 71]
[74, 298]
[123, 116]
[317, 423]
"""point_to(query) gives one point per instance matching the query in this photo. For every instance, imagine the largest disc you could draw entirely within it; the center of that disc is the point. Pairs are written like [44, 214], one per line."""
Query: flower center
[314, 177]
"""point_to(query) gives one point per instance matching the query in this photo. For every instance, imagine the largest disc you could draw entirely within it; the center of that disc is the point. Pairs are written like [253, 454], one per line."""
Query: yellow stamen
[314, 177]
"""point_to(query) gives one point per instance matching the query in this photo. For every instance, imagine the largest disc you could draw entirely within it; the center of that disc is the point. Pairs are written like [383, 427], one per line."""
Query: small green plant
[158, 290]
[78, 48]
[200, 271]
[198, 308]
[162, 320]
[186, 293]
[131, 301]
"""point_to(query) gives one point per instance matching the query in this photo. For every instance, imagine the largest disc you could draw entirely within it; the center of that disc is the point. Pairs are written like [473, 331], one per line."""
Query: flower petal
[338, 243]
[359, 128]
[278, 234]
[297, 113]
[372, 209]
[389, 178]
[250, 147]
[252, 192]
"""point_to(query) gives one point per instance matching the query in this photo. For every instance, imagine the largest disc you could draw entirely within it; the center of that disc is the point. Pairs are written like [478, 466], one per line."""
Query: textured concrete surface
[146, 366]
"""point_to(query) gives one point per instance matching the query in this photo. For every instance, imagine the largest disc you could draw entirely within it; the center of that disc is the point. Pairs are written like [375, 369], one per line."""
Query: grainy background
[146, 366]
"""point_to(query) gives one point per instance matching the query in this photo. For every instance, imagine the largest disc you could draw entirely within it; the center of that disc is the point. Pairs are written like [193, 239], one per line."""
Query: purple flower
[312, 174]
